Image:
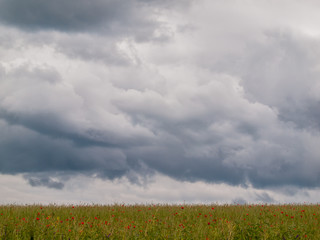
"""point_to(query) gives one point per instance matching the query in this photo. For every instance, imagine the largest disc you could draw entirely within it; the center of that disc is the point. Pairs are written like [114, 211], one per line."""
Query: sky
[159, 101]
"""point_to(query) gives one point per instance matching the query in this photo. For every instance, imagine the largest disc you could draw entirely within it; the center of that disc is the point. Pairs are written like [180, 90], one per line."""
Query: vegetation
[160, 222]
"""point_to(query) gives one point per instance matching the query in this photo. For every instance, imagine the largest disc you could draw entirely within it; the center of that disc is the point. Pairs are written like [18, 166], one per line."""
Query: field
[160, 222]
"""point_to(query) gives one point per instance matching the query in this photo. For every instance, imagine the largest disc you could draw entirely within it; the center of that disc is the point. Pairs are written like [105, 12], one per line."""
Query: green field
[160, 222]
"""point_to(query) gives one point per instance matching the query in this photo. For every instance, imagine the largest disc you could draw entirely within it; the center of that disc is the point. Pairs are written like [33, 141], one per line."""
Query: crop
[160, 222]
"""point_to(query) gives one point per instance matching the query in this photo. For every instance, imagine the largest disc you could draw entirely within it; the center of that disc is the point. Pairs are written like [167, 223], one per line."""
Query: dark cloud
[109, 17]
[39, 153]
[66, 15]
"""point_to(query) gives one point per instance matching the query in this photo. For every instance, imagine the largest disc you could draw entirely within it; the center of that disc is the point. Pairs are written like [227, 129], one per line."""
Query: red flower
[38, 218]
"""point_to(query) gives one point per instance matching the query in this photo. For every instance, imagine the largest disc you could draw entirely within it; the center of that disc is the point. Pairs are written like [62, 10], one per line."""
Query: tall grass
[160, 222]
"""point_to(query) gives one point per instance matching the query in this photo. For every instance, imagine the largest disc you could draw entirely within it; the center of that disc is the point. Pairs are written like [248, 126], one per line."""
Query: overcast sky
[163, 101]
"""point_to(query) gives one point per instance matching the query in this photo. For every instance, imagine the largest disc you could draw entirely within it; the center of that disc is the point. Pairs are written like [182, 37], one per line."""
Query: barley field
[160, 222]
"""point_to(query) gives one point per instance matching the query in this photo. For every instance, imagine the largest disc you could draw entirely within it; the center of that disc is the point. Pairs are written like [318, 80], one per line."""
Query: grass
[160, 222]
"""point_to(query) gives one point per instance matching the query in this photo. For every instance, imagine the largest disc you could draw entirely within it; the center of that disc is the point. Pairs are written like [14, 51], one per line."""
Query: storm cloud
[221, 93]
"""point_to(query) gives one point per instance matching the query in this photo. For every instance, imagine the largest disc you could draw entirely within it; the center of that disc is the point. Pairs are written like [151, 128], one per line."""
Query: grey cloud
[242, 111]
[214, 148]
[264, 198]
[43, 103]
[281, 73]
[76, 46]
[64, 15]
[92, 49]
[114, 18]
[201, 139]
[44, 181]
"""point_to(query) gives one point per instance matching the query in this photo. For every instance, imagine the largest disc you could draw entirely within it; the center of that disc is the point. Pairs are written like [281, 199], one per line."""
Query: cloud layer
[199, 92]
